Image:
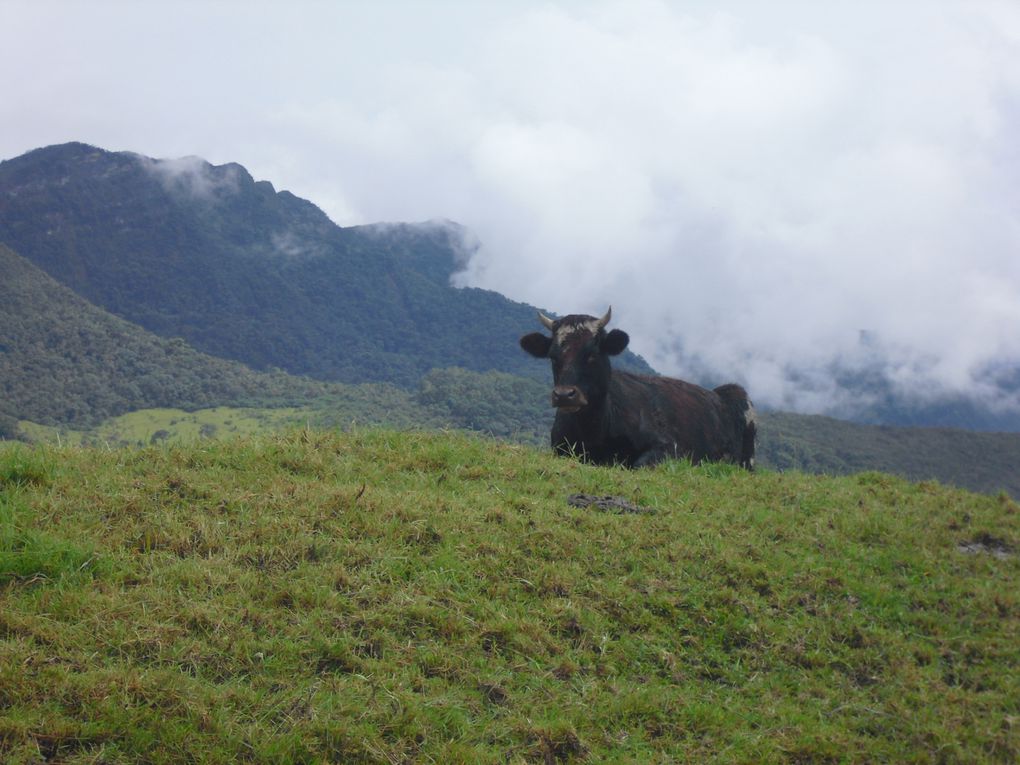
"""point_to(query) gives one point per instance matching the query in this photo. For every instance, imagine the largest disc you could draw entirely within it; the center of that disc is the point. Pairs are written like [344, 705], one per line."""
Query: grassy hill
[516, 409]
[393, 597]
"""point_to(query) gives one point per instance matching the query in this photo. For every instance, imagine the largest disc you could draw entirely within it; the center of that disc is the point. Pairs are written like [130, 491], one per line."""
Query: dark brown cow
[609, 417]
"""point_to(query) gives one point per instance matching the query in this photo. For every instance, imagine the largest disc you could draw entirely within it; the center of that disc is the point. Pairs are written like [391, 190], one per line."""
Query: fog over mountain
[816, 199]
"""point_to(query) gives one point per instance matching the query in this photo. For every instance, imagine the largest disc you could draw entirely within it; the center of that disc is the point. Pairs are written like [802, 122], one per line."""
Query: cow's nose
[565, 395]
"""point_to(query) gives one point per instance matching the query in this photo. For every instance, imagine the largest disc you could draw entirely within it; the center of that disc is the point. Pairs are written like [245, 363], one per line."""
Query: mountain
[131, 283]
[985, 462]
[63, 360]
[239, 270]
[991, 404]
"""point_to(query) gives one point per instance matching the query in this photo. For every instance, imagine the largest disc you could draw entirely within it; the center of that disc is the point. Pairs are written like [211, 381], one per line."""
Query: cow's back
[679, 417]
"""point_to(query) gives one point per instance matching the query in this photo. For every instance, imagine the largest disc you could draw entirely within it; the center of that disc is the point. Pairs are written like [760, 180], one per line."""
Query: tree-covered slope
[985, 462]
[241, 271]
[62, 360]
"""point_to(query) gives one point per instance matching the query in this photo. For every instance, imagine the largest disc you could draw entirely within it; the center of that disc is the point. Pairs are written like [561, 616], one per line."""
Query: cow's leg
[653, 456]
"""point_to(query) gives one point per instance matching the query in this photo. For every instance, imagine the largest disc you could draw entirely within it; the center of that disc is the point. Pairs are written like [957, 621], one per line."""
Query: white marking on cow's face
[750, 416]
[566, 330]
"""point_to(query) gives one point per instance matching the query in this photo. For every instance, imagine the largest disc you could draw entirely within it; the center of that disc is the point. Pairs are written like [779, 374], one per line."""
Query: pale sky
[750, 185]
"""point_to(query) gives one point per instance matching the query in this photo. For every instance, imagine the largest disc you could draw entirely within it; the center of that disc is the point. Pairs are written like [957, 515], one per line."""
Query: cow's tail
[745, 422]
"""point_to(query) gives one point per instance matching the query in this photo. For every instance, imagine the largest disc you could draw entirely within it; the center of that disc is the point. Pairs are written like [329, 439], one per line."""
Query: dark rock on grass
[606, 503]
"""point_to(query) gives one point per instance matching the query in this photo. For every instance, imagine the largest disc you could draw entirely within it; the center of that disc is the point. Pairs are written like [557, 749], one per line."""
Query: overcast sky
[751, 185]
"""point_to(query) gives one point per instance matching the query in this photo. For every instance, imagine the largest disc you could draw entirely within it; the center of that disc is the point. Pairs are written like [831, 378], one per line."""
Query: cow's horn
[605, 319]
[546, 321]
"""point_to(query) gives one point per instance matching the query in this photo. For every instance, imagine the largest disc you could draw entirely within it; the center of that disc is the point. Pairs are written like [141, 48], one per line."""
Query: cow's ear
[536, 344]
[614, 342]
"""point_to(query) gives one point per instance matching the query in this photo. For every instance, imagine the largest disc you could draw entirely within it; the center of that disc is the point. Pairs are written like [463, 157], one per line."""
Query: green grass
[149, 426]
[413, 597]
[28, 553]
[501, 405]
[177, 426]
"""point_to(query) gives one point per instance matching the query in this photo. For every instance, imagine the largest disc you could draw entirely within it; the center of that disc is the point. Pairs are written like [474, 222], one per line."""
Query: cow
[611, 417]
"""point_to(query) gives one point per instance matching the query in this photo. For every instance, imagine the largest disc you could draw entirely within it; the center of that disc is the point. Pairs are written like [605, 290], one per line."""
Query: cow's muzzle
[568, 398]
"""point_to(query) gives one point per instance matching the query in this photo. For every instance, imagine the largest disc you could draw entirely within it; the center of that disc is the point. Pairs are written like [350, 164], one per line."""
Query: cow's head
[579, 350]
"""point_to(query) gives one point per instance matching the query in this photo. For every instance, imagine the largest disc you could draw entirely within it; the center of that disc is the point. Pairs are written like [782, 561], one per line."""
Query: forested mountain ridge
[814, 444]
[65, 361]
[241, 271]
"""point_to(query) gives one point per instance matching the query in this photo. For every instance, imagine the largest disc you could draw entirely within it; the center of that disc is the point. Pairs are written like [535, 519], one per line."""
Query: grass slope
[360, 404]
[515, 409]
[387, 597]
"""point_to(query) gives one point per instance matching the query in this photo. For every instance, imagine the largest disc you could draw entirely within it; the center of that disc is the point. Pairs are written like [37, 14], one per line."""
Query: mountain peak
[185, 248]
[195, 176]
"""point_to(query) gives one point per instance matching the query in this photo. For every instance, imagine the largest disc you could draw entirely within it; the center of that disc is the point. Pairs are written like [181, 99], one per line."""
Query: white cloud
[776, 198]
[194, 176]
[749, 184]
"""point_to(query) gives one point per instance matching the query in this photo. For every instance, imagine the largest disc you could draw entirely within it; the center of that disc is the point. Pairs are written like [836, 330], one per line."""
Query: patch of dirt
[987, 544]
[494, 694]
[607, 503]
